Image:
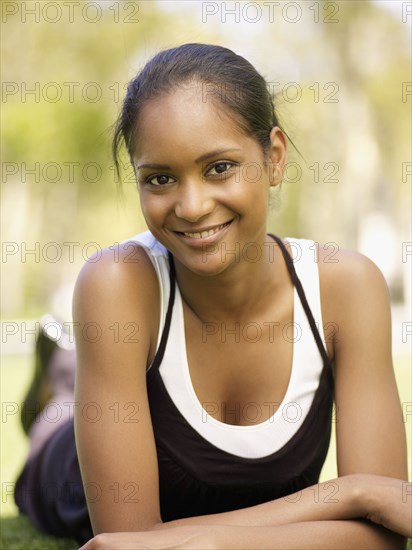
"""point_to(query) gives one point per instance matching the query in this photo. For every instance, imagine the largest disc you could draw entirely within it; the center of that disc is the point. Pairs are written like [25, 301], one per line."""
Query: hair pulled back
[224, 76]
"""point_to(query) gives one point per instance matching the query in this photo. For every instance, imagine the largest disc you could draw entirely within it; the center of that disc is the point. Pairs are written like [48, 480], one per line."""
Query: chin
[209, 267]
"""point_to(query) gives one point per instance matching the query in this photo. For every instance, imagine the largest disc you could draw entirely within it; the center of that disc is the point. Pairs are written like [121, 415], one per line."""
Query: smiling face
[203, 183]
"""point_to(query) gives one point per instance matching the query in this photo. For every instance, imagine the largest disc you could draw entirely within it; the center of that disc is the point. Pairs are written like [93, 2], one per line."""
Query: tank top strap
[298, 285]
[166, 328]
[295, 280]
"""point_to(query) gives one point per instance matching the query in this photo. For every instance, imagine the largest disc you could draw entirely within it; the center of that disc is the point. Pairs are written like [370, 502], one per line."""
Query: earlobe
[277, 155]
[275, 173]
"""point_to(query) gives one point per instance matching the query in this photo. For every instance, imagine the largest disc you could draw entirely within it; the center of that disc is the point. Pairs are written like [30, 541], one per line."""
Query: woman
[203, 409]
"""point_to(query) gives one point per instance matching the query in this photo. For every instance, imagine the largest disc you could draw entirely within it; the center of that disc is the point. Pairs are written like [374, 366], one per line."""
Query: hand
[185, 537]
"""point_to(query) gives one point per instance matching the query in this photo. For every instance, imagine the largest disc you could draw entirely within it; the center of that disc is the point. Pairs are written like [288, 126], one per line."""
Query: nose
[194, 201]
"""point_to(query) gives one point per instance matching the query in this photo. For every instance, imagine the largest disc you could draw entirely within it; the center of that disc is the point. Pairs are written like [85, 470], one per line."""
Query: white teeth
[204, 234]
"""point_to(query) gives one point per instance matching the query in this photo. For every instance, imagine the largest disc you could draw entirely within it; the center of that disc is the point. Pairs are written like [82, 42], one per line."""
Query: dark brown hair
[225, 77]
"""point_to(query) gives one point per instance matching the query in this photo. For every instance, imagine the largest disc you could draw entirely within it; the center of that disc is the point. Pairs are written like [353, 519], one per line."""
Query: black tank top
[197, 478]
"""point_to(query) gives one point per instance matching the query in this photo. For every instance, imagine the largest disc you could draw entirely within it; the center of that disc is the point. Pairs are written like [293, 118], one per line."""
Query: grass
[17, 533]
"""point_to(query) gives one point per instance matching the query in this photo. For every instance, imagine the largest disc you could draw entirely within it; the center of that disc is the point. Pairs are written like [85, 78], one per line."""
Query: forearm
[313, 518]
[317, 535]
[332, 500]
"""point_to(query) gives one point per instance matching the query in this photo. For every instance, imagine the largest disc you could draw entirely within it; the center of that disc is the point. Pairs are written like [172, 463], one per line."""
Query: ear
[277, 155]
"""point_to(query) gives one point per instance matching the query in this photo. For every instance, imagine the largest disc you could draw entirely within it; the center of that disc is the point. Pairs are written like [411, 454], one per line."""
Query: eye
[220, 168]
[162, 179]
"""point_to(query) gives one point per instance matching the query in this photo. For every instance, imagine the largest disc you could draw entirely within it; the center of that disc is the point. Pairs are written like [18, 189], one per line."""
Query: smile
[207, 233]
[204, 234]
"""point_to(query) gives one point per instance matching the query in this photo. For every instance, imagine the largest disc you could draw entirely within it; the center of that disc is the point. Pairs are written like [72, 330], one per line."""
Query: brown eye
[159, 180]
[220, 168]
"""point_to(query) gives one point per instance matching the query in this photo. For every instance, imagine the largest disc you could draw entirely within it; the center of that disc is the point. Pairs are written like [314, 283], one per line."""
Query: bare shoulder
[349, 275]
[119, 288]
[126, 266]
[354, 294]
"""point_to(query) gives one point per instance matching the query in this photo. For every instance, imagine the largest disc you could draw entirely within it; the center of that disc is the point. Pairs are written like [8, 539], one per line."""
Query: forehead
[187, 119]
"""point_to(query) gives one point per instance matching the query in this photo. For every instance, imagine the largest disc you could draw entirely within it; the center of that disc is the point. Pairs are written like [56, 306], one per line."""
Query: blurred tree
[338, 72]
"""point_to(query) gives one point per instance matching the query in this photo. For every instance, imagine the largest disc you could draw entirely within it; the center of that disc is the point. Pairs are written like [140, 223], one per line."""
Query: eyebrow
[200, 159]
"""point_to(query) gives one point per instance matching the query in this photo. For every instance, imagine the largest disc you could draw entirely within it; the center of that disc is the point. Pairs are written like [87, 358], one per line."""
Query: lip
[200, 242]
[200, 229]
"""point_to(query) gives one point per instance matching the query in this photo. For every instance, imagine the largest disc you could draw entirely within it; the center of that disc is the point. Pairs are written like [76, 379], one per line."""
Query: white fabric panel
[261, 439]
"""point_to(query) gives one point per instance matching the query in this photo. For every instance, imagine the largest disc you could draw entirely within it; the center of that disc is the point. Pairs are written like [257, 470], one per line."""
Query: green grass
[16, 531]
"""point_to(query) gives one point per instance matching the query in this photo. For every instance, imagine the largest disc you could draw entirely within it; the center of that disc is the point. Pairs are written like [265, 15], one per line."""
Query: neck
[240, 292]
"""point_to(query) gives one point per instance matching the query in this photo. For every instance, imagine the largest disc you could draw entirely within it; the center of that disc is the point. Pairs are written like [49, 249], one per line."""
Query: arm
[117, 453]
[385, 501]
[308, 519]
[369, 427]
[316, 535]
[370, 431]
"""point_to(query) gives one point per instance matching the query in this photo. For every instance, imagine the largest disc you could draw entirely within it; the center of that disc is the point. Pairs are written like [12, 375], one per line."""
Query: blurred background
[341, 73]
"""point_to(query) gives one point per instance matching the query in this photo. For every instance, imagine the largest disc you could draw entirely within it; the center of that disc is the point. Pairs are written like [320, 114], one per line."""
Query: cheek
[253, 175]
[154, 207]
[250, 189]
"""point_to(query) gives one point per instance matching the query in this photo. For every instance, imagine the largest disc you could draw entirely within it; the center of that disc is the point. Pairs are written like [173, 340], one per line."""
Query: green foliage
[350, 74]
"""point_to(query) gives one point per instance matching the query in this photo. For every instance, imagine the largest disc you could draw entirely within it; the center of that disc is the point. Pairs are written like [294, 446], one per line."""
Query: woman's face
[203, 184]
